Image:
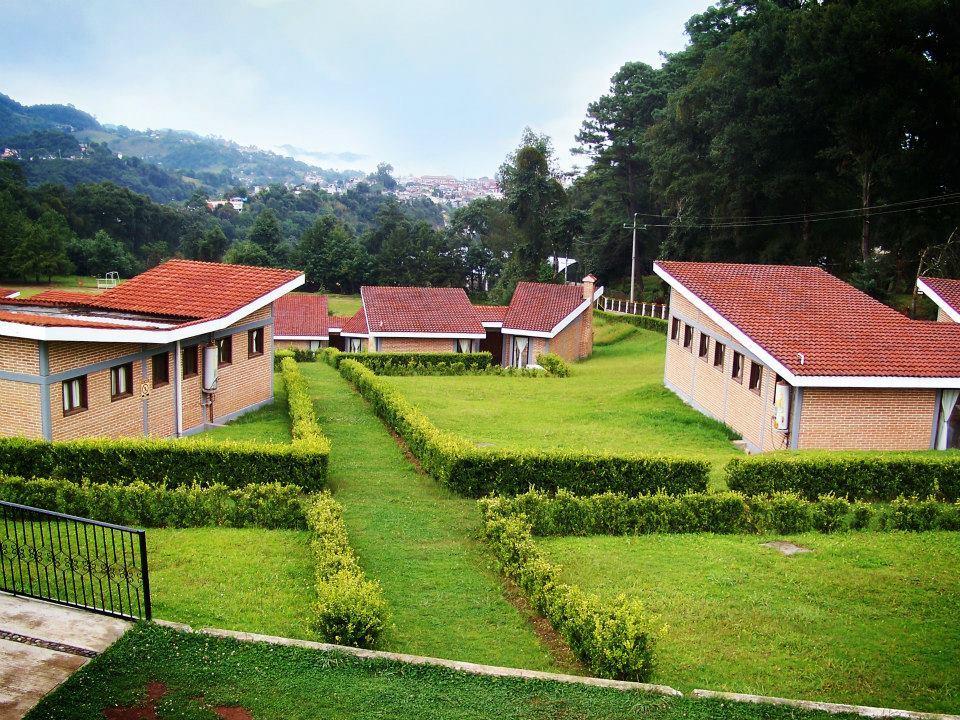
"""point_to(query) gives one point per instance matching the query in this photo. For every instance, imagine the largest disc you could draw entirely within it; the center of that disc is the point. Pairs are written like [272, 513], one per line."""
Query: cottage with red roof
[540, 318]
[300, 321]
[945, 293]
[166, 353]
[792, 357]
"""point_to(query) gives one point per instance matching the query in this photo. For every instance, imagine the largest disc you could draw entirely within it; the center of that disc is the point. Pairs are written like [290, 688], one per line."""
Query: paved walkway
[41, 645]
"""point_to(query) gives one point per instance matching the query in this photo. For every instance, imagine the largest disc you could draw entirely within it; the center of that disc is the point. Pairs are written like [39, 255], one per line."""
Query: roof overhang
[301, 337]
[941, 303]
[492, 324]
[560, 325]
[12, 295]
[439, 335]
[147, 336]
[849, 381]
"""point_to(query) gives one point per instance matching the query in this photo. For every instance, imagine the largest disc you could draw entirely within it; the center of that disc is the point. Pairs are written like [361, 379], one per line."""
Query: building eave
[941, 303]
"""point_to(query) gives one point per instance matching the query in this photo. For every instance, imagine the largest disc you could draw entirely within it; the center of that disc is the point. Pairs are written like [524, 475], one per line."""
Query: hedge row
[350, 609]
[648, 323]
[855, 476]
[383, 363]
[475, 472]
[728, 512]
[613, 639]
[297, 354]
[303, 421]
[166, 462]
[270, 506]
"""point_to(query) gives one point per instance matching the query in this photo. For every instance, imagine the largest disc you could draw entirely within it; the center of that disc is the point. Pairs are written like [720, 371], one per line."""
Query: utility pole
[633, 257]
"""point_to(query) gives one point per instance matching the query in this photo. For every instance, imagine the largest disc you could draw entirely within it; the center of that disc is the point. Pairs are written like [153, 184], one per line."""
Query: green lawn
[867, 618]
[607, 332]
[418, 540]
[200, 674]
[614, 401]
[74, 283]
[239, 579]
[270, 423]
[342, 304]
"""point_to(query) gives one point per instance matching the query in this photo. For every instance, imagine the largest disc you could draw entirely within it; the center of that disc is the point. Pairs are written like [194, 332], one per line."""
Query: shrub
[384, 363]
[913, 514]
[553, 364]
[789, 513]
[648, 323]
[280, 355]
[303, 421]
[854, 476]
[829, 513]
[474, 472]
[350, 609]
[167, 462]
[614, 639]
[271, 506]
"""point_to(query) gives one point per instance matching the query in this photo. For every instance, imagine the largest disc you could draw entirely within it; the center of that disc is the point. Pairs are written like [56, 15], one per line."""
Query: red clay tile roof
[539, 307]
[947, 289]
[491, 313]
[789, 310]
[300, 315]
[338, 321]
[420, 310]
[356, 325]
[7, 292]
[191, 289]
[39, 320]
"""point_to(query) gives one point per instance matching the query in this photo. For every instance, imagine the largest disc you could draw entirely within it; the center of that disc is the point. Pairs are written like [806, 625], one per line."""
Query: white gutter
[941, 303]
[155, 337]
[850, 381]
[301, 337]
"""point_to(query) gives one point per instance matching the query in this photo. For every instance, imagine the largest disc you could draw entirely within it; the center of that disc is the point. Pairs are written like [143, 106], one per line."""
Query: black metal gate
[74, 561]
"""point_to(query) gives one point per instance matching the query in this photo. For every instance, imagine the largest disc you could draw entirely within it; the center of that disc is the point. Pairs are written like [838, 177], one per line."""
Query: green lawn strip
[200, 673]
[614, 401]
[343, 304]
[238, 579]
[419, 541]
[866, 618]
[270, 423]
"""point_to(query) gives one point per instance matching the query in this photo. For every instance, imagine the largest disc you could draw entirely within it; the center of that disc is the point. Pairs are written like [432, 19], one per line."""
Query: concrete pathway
[42, 644]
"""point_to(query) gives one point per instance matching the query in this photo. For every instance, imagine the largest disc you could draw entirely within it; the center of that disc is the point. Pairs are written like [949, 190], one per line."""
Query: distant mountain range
[63, 143]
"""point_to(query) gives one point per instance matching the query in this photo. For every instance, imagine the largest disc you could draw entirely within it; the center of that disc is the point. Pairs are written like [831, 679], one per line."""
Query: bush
[279, 356]
[610, 513]
[854, 476]
[475, 472]
[553, 364]
[167, 462]
[271, 506]
[385, 363]
[350, 609]
[613, 639]
[648, 323]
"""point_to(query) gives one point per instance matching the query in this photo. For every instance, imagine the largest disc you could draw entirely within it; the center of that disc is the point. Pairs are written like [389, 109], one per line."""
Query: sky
[428, 86]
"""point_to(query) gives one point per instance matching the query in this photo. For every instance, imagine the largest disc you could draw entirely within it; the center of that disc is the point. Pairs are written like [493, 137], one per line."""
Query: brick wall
[20, 409]
[431, 345]
[568, 342]
[867, 418]
[942, 315]
[160, 401]
[69, 355]
[297, 344]
[19, 355]
[247, 380]
[103, 416]
[586, 332]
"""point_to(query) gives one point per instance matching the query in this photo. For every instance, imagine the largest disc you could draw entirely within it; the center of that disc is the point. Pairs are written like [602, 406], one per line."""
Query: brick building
[300, 321]
[792, 357]
[166, 353]
[540, 318]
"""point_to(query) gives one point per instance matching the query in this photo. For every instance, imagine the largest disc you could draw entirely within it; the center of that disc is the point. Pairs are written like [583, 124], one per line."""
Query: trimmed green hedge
[648, 323]
[553, 364]
[727, 512]
[303, 421]
[383, 363]
[167, 462]
[475, 472]
[614, 639]
[350, 609]
[271, 506]
[853, 475]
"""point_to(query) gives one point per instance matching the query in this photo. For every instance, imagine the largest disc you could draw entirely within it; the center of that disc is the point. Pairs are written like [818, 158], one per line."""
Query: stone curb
[835, 708]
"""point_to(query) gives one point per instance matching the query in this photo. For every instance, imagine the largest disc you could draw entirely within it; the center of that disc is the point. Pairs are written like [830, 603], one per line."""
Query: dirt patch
[234, 712]
[147, 710]
[557, 646]
[786, 548]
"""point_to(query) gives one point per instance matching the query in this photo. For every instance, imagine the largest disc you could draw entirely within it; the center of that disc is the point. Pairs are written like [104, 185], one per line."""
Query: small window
[255, 342]
[521, 351]
[190, 365]
[719, 349]
[74, 395]
[675, 329]
[464, 346]
[121, 381]
[704, 345]
[160, 365]
[688, 337]
[355, 345]
[756, 376]
[225, 350]
[737, 373]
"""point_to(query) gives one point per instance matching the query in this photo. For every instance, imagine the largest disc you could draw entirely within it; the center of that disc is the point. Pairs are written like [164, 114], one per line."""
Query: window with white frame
[521, 351]
[355, 345]
[464, 345]
[75, 395]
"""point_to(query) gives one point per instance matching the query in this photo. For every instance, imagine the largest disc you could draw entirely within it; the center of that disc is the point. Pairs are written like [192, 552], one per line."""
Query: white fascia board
[471, 336]
[363, 306]
[598, 292]
[526, 333]
[12, 295]
[765, 357]
[335, 329]
[301, 337]
[492, 324]
[150, 337]
[825, 381]
[941, 303]
[364, 336]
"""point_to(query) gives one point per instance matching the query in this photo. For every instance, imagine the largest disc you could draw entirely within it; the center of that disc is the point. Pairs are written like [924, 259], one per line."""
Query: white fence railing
[632, 308]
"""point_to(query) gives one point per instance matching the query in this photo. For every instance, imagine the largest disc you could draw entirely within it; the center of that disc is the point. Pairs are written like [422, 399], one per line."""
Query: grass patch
[614, 401]
[418, 540]
[239, 579]
[285, 683]
[865, 618]
[270, 424]
[58, 282]
[343, 304]
[607, 332]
